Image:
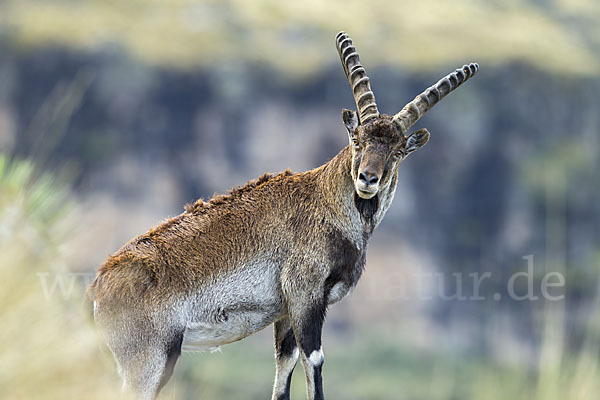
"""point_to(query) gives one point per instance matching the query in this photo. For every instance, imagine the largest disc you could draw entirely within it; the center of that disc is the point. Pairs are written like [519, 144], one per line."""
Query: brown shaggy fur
[212, 237]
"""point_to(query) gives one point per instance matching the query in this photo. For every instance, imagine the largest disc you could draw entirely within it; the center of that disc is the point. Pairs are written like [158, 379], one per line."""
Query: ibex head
[379, 142]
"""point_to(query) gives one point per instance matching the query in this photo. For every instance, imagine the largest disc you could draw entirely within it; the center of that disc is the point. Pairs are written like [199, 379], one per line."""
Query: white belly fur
[233, 307]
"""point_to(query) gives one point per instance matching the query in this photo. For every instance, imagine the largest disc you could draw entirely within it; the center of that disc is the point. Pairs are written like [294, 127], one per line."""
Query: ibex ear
[416, 140]
[350, 121]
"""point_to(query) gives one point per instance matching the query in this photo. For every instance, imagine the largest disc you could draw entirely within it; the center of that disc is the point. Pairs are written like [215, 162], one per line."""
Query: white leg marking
[314, 361]
[317, 357]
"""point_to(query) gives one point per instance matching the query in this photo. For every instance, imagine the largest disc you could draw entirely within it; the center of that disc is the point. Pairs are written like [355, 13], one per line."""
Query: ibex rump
[277, 250]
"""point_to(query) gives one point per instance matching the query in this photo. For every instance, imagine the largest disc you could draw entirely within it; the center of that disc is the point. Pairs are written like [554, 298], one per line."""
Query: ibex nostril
[368, 178]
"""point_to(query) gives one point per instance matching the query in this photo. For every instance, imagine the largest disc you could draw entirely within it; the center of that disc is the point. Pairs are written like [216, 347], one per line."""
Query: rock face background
[134, 109]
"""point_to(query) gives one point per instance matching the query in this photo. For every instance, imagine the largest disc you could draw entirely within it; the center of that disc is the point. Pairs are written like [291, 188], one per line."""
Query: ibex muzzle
[278, 250]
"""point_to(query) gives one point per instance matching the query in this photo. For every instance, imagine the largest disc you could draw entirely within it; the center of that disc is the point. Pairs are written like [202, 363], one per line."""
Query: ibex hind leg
[147, 371]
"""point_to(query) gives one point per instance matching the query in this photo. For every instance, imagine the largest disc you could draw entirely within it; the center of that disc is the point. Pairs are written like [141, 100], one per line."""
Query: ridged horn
[414, 110]
[359, 81]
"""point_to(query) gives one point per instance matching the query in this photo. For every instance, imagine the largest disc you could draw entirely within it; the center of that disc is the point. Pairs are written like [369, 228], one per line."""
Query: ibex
[277, 250]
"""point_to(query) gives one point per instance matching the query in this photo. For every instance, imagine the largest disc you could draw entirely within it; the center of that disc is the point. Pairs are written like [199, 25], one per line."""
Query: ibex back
[277, 250]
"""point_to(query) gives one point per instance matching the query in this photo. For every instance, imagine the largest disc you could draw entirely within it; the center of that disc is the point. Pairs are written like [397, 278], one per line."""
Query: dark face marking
[374, 155]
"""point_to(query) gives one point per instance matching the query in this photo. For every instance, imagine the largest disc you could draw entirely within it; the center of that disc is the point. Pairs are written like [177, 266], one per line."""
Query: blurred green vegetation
[49, 349]
[297, 37]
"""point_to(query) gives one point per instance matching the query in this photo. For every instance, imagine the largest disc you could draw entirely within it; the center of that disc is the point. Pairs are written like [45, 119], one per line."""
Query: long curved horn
[359, 81]
[414, 110]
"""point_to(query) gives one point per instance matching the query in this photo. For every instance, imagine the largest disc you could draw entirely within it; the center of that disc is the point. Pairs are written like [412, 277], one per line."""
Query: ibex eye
[398, 154]
[355, 143]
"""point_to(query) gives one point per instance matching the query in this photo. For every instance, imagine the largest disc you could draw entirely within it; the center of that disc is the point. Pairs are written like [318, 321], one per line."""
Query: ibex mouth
[366, 194]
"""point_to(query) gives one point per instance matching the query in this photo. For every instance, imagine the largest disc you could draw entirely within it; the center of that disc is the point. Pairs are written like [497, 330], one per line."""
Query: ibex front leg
[307, 321]
[286, 356]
